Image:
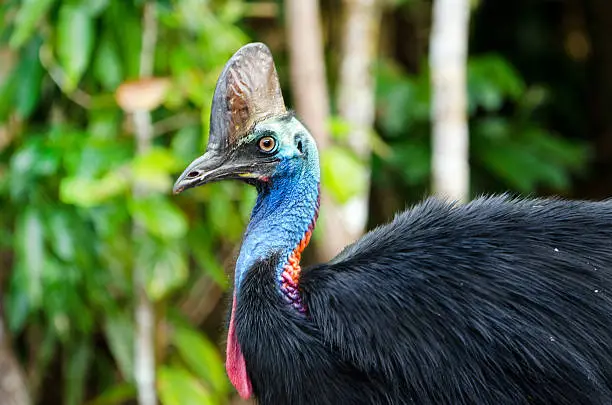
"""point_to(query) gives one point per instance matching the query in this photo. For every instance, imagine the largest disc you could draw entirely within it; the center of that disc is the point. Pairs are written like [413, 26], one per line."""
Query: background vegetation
[539, 96]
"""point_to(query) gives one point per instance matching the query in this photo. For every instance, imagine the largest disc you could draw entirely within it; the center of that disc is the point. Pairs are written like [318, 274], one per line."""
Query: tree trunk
[13, 385]
[310, 93]
[307, 66]
[144, 343]
[448, 60]
[13, 390]
[356, 98]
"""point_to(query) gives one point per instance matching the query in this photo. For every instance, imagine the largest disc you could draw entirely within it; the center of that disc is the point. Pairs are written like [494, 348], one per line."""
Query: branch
[356, 101]
[448, 59]
[308, 67]
[144, 344]
[56, 73]
[310, 96]
[174, 123]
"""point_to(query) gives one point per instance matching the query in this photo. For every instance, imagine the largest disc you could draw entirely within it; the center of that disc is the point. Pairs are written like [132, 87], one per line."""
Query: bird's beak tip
[179, 186]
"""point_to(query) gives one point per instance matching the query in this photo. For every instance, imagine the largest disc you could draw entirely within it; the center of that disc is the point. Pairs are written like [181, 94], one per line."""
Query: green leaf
[107, 67]
[178, 387]
[115, 395]
[396, 94]
[34, 160]
[232, 11]
[153, 169]
[160, 217]
[77, 364]
[119, 333]
[492, 128]
[521, 169]
[75, 38]
[557, 150]
[99, 155]
[109, 221]
[31, 252]
[7, 94]
[185, 142]
[413, 158]
[342, 174]
[165, 265]
[339, 128]
[486, 95]
[126, 35]
[28, 16]
[222, 213]
[60, 227]
[94, 7]
[395, 108]
[89, 192]
[192, 81]
[62, 304]
[492, 80]
[203, 251]
[202, 357]
[17, 303]
[525, 156]
[103, 125]
[29, 78]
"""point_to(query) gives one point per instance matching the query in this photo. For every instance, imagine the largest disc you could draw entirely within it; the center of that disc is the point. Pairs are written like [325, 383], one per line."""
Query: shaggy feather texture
[500, 301]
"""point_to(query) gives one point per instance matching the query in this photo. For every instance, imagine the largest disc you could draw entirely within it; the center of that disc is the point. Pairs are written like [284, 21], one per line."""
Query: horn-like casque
[247, 91]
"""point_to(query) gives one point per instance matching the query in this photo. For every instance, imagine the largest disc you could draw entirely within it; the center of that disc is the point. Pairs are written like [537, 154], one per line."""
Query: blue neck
[285, 209]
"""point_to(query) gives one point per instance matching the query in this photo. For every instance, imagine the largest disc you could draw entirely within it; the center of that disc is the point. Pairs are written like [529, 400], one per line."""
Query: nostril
[193, 174]
[299, 146]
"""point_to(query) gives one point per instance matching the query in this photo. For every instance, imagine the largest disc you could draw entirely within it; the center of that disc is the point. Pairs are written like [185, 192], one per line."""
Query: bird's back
[499, 301]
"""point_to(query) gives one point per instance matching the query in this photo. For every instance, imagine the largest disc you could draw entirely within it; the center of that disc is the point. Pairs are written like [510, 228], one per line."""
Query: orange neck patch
[290, 276]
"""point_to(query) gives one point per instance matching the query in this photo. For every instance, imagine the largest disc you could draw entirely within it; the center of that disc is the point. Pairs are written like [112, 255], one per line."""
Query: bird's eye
[267, 144]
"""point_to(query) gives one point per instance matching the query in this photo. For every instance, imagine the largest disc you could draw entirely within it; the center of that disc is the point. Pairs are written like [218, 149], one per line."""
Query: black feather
[499, 301]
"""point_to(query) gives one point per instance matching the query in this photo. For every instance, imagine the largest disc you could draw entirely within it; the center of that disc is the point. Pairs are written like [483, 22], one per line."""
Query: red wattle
[234, 362]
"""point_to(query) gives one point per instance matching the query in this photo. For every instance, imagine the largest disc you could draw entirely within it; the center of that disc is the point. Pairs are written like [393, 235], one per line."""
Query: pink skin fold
[235, 364]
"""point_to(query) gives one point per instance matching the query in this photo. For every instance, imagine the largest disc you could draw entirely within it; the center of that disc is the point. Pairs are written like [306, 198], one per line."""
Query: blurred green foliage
[66, 177]
[509, 148]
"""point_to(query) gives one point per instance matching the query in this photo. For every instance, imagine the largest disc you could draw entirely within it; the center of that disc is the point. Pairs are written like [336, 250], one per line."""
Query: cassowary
[499, 301]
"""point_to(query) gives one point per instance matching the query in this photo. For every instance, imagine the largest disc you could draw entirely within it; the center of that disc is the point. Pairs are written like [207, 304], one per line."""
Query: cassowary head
[252, 136]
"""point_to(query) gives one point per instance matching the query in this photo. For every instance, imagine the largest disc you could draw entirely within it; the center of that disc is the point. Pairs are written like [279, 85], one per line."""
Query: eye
[267, 144]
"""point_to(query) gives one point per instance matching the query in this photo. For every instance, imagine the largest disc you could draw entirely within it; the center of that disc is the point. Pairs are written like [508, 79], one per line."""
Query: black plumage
[500, 301]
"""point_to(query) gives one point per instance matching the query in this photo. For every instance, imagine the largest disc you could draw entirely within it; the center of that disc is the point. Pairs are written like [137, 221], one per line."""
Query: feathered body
[499, 301]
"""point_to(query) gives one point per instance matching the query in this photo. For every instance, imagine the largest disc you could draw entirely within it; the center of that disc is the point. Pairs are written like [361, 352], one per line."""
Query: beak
[207, 168]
